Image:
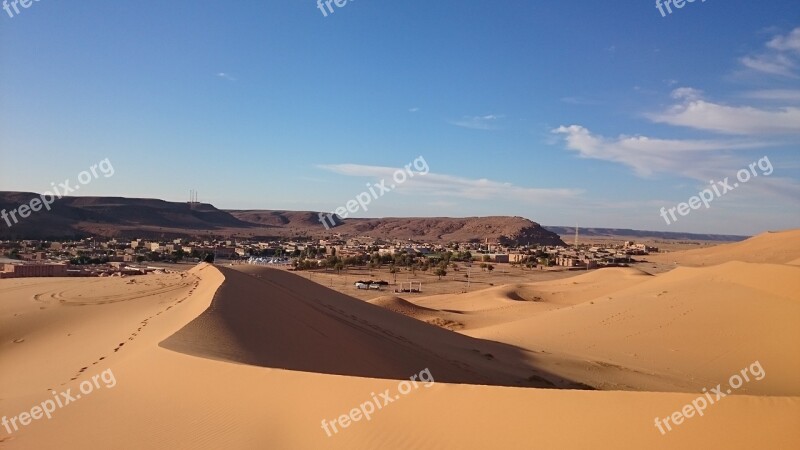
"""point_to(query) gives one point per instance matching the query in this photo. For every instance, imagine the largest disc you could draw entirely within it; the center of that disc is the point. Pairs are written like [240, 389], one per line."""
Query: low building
[16, 270]
[499, 257]
[517, 257]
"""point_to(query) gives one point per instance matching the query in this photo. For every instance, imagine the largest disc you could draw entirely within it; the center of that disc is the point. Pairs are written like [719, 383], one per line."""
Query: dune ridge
[304, 326]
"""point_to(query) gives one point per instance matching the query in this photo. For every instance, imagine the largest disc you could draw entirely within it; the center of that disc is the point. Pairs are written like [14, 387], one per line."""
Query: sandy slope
[777, 247]
[273, 318]
[205, 365]
[681, 331]
[624, 329]
[66, 325]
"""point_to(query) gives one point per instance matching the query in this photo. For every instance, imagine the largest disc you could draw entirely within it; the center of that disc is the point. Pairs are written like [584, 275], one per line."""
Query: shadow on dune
[273, 318]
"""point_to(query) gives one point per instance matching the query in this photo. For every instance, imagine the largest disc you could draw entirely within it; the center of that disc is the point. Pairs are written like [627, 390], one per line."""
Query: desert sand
[252, 357]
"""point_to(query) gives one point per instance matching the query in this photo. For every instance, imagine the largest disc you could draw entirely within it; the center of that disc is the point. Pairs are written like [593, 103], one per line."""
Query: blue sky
[596, 113]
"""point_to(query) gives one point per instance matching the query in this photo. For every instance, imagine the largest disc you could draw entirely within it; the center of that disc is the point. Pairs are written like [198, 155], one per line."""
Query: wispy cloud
[435, 184]
[694, 112]
[487, 122]
[413, 110]
[225, 76]
[647, 155]
[700, 160]
[787, 43]
[779, 58]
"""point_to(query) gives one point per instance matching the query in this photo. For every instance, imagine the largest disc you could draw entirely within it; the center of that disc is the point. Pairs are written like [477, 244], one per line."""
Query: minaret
[576, 235]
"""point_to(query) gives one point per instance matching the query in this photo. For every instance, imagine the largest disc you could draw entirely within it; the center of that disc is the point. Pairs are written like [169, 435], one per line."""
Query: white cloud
[770, 64]
[687, 93]
[434, 184]
[744, 120]
[225, 76]
[700, 160]
[780, 57]
[652, 155]
[487, 122]
[788, 43]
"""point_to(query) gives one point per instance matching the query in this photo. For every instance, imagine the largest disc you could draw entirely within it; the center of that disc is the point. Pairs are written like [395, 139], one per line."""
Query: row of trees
[439, 263]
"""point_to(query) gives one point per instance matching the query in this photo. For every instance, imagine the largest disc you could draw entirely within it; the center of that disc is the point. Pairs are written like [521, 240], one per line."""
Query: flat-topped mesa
[120, 217]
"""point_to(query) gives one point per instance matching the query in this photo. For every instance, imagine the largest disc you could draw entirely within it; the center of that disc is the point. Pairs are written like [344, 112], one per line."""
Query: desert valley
[247, 356]
[340, 224]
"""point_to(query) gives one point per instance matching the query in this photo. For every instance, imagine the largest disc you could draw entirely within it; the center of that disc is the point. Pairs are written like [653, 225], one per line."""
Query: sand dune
[777, 247]
[626, 329]
[257, 358]
[273, 318]
[510, 303]
[679, 331]
[70, 325]
[444, 319]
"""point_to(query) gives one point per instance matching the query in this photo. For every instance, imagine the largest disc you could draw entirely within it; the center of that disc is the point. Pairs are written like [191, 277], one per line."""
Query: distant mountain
[568, 232]
[502, 229]
[122, 217]
[111, 216]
